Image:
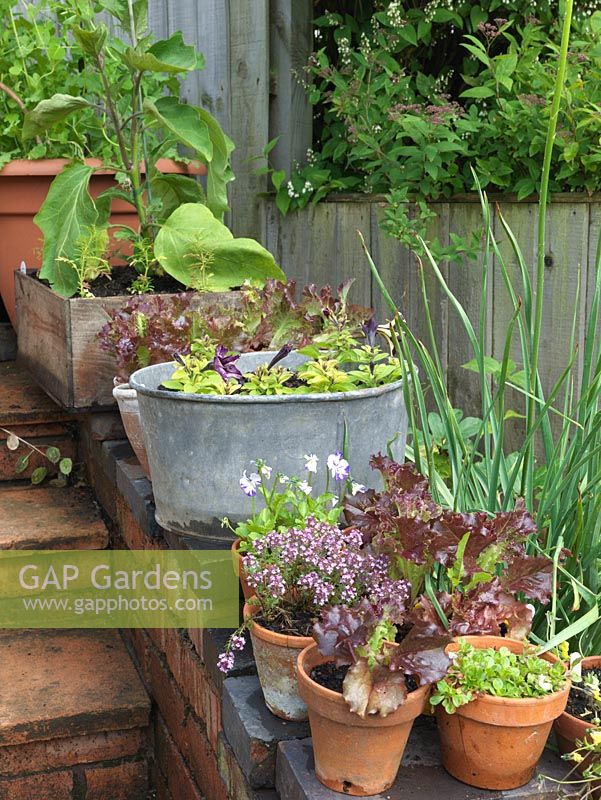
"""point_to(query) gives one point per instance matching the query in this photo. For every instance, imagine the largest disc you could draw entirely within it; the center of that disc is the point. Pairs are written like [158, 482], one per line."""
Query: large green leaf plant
[141, 131]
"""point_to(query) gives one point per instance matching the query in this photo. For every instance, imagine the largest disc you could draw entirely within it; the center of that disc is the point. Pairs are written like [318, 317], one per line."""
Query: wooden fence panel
[319, 245]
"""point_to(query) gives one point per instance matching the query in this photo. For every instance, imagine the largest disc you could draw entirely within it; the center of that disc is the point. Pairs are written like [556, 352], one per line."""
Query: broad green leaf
[182, 122]
[90, 41]
[53, 454]
[120, 10]
[38, 475]
[478, 91]
[67, 212]
[175, 190]
[171, 55]
[219, 170]
[65, 466]
[48, 112]
[192, 231]
[22, 463]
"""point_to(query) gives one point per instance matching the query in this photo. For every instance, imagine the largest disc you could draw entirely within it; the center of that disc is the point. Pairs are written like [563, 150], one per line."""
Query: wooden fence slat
[565, 277]
[400, 272]
[290, 113]
[465, 281]
[249, 80]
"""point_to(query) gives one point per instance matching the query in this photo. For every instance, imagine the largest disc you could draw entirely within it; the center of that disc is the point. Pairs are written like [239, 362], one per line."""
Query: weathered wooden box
[58, 341]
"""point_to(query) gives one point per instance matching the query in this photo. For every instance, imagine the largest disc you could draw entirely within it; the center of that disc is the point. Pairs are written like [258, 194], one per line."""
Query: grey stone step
[252, 731]
[421, 776]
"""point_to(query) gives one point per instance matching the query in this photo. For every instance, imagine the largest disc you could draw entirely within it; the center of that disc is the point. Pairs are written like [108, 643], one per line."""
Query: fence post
[290, 113]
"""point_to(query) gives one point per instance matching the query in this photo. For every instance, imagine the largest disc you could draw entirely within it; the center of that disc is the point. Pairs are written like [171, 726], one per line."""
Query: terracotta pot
[496, 742]
[354, 756]
[127, 400]
[275, 656]
[247, 591]
[568, 729]
[24, 185]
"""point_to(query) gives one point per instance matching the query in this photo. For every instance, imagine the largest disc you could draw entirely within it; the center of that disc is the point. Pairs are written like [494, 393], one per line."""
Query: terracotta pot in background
[354, 756]
[275, 656]
[127, 400]
[24, 185]
[247, 591]
[568, 729]
[496, 742]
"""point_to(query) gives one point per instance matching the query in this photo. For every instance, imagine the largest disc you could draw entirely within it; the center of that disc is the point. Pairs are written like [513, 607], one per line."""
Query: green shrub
[415, 93]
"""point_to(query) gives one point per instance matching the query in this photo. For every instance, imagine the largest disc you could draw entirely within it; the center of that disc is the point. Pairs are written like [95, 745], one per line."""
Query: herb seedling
[500, 673]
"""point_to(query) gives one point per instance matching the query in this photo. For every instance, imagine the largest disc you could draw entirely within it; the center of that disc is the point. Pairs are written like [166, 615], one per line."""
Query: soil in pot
[496, 742]
[122, 277]
[276, 659]
[353, 755]
[573, 724]
[579, 704]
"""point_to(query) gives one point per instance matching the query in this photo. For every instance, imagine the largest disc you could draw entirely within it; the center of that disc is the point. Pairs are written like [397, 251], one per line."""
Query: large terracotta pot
[127, 400]
[275, 657]
[24, 185]
[247, 590]
[496, 742]
[569, 729]
[354, 756]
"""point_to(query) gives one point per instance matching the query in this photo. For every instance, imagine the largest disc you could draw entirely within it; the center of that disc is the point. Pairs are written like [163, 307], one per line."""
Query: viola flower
[305, 487]
[250, 483]
[264, 470]
[311, 463]
[338, 466]
[283, 479]
[357, 487]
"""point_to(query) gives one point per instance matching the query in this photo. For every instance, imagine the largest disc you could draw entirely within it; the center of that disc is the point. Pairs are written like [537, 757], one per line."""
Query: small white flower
[283, 479]
[250, 483]
[334, 502]
[545, 683]
[338, 466]
[305, 487]
[311, 463]
[357, 487]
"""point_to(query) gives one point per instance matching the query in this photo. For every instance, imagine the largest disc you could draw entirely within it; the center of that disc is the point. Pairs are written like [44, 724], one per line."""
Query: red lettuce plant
[151, 329]
[362, 638]
[481, 560]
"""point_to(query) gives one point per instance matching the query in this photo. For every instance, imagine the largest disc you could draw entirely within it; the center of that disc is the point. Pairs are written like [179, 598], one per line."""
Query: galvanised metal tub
[198, 445]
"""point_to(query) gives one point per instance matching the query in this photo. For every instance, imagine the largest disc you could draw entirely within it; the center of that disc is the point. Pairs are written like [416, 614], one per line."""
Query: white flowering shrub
[409, 96]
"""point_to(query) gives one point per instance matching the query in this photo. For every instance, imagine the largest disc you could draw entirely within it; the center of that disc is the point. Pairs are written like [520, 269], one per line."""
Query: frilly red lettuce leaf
[373, 691]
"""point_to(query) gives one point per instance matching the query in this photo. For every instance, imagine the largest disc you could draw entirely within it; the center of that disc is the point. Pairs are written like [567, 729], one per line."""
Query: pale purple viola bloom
[250, 483]
[357, 487]
[338, 466]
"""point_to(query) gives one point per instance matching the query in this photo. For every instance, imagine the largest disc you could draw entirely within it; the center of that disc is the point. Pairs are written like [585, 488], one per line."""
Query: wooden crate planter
[58, 341]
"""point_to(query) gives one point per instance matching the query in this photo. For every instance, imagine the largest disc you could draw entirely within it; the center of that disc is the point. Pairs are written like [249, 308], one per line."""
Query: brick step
[27, 411]
[421, 776]
[50, 518]
[73, 718]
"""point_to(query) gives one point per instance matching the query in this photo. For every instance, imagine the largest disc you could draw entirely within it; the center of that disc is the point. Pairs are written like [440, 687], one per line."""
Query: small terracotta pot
[354, 756]
[247, 591]
[127, 400]
[275, 656]
[568, 729]
[496, 742]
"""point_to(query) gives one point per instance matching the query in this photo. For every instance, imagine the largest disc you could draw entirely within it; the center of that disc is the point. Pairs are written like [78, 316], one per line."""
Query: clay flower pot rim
[280, 639]
[336, 697]
[124, 391]
[586, 663]
[518, 702]
[20, 167]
